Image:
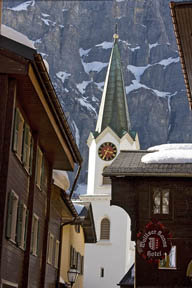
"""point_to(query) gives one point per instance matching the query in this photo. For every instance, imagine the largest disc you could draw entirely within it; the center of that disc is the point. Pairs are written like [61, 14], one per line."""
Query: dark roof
[87, 222]
[129, 277]
[37, 62]
[181, 13]
[113, 109]
[128, 163]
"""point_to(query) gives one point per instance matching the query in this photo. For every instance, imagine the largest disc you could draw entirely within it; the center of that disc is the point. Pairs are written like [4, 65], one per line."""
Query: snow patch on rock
[63, 75]
[23, 6]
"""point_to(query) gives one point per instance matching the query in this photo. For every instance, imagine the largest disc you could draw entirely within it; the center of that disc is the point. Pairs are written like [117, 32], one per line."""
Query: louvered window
[35, 235]
[12, 212]
[39, 168]
[57, 253]
[50, 248]
[18, 133]
[105, 229]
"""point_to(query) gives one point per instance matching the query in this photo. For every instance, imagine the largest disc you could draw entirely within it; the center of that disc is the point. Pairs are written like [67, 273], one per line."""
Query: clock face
[107, 151]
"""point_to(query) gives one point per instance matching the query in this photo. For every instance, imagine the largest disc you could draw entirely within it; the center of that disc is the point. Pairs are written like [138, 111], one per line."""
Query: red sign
[154, 242]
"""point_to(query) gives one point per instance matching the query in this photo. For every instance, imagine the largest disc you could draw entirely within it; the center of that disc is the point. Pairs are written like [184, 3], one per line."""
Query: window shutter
[19, 223]
[42, 173]
[25, 144]
[16, 130]
[31, 157]
[78, 262]
[32, 234]
[74, 258]
[9, 215]
[105, 229]
[26, 226]
[82, 265]
[38, 238]
[71, 256]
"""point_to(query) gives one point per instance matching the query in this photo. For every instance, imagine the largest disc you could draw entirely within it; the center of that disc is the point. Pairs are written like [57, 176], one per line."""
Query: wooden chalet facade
[35, 138]
[162, 192]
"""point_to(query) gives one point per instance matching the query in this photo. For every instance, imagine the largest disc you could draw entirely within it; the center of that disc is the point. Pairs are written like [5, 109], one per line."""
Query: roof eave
[173, 6]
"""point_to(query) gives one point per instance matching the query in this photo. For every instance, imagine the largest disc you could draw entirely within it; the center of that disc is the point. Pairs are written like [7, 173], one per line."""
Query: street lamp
[72, 275]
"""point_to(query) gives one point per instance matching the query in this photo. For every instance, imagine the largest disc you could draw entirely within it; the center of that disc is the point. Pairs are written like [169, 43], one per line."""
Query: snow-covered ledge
[169, 153]
[16, 36]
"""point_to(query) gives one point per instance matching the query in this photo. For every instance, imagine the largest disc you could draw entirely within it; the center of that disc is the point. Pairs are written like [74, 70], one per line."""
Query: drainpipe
[75, 181]
[60, 246]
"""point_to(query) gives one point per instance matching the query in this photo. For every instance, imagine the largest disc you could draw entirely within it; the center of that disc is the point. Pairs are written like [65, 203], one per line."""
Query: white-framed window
[18, 133]
[12, 211]
[35, 235]
[22, 221]
[23, 141]
[57, 245]
[50, 248]
[27, 148]
[169, 262]
[161, 201]
[39, 168]
[105, 229]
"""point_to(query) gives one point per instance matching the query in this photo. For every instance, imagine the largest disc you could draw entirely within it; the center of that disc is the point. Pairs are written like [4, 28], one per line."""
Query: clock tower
[109, 259]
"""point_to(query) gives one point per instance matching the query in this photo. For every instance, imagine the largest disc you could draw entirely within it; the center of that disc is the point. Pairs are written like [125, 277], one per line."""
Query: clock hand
[105, 154]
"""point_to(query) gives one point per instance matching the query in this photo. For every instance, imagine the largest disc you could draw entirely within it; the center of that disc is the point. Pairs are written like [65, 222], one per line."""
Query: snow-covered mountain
[76, 38]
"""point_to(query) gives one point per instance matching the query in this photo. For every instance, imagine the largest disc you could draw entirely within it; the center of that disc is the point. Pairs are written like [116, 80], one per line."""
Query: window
[12, 216]
[76, 260]
[18, 133]
[105, 229]
[101, 272]
[50, 248]
[40, 168]
[23, 141]
[169, 262]
[27, 154]
[22, 221]
[35, 235]
[57, 253]
[161, 201]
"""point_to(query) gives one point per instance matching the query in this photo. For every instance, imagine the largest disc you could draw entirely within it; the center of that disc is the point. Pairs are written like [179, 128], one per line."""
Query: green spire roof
[113, 109]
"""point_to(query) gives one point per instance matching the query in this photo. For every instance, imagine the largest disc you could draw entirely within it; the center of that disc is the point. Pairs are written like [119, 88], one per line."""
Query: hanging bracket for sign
[154, 242]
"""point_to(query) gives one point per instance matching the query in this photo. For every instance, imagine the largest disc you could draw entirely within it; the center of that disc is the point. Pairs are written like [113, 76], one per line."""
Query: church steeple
[113, 109]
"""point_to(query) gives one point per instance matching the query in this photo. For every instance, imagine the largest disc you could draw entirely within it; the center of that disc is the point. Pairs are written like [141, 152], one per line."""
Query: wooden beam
[39, 92]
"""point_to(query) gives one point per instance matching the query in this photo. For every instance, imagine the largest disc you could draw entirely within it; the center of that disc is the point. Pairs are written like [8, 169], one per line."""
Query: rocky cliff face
[75, 37]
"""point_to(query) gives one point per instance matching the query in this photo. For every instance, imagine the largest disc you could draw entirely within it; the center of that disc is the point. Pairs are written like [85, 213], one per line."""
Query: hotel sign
[154, 242]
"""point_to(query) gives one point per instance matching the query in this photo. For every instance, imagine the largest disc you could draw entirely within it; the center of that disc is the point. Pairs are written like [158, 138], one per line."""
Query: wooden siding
[135, 196]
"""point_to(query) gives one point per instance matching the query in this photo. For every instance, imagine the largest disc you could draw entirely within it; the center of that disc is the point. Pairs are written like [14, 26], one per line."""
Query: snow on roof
[78, 207]
[46, 65]
[169, 153]
[61, 179]
[16, 36]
